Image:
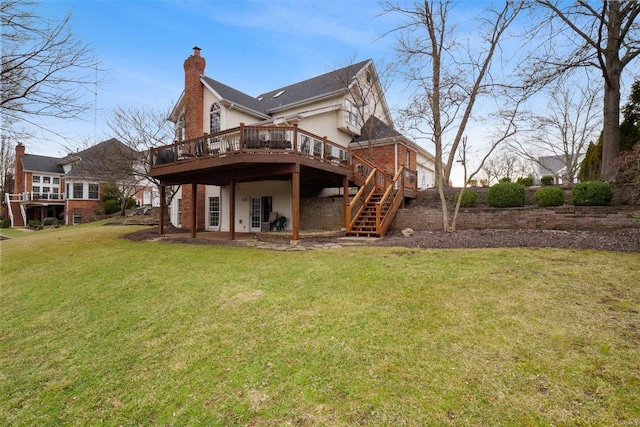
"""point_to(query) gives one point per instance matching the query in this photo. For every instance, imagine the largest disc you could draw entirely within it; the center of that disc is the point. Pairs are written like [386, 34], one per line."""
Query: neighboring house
[554, 166]
[69, 189]
[239, 158]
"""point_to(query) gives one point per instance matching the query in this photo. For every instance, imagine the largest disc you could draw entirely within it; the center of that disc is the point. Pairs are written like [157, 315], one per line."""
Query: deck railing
[31, 196]
[252, 139]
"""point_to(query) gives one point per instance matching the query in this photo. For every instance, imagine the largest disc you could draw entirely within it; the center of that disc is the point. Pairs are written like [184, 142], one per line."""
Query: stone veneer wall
[534, 218]
[321, 213]
[424, 213]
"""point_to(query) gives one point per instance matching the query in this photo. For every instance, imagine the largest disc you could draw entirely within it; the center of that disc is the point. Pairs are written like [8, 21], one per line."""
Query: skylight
[278, 94]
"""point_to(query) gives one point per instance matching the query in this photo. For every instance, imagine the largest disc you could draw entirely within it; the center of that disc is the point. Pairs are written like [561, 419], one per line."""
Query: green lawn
[97, 330]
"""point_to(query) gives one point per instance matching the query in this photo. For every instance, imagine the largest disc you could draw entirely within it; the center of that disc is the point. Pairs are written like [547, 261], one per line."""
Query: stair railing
[388, 205]
[7, 198]
[359, 201]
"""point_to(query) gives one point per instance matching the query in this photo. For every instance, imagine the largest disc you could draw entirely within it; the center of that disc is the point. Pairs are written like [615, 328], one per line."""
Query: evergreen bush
[111, 206]
[34, 223]
[547, 180]
[526, 181]
[592, 193]
[549, 196]
[469, 198]
[5, 223]
[506, 195]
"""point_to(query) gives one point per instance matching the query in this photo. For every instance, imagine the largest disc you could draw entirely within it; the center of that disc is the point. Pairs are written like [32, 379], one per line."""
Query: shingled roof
[100, 161]
[375, 129]
[35, 163]
[298, 93]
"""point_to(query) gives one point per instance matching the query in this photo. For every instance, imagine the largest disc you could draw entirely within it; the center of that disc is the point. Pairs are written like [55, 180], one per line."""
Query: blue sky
[251, 45]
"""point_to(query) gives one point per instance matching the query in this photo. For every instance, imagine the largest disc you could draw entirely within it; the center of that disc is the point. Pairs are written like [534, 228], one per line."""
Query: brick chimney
[193, 123]
[19, 184]
[194, 94]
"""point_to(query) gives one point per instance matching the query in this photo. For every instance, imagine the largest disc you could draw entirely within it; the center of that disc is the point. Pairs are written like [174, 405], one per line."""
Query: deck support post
[232, 210]
[345, 201]
[194, 209]
[163, 208]
[295, 183]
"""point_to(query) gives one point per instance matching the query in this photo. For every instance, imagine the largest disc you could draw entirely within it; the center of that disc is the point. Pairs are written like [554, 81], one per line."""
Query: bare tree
[504, 163]
[46, 69]
[562, 133]
[604, 35]
[7, 166]
[140, 128]
[448, 76]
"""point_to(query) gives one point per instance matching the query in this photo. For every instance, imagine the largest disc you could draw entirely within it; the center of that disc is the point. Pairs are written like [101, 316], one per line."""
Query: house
[70, 188]
[555, 166]
[237, 158]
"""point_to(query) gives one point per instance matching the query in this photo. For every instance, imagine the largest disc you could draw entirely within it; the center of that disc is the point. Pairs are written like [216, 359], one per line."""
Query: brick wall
[385, 156]
[88, 209]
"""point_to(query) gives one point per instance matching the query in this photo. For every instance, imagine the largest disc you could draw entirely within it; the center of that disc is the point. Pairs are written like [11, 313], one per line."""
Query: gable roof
[35, 163]
[312, 89]
[375, 129]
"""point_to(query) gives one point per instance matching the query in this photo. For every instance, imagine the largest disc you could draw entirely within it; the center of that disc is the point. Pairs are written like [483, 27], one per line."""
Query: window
[214, 120]
[179, 212]
[36, 178]
[36, 188]
[350, 113]
[56, 181]
[46, 189]
[77, 219]
[93, 191]
[214, 211]
[46, 179]
[78, 191]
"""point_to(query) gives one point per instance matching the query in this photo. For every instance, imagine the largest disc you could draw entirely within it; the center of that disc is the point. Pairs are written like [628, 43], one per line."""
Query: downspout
[395, 157]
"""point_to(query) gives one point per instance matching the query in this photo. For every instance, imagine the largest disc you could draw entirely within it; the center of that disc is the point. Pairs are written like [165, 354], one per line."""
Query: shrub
[5, 223]
[111, 206]
[547, 180]
[506, 195]
[131, 202]
[469, 198]
[50, 221]
[34, 223]
[549, 196]
[592, 193]
[505, 179]
[526, 181]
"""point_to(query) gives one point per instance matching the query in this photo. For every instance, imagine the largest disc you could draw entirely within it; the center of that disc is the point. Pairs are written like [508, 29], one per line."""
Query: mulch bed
[627, 240]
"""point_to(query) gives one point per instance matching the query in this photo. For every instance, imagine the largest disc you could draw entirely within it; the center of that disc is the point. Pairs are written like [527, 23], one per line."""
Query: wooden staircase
[371, 211]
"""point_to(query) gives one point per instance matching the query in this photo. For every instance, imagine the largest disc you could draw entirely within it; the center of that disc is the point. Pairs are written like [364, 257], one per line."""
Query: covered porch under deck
[250, 154]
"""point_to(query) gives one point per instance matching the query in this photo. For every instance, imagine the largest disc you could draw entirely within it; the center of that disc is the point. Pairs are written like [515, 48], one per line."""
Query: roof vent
[278, 94]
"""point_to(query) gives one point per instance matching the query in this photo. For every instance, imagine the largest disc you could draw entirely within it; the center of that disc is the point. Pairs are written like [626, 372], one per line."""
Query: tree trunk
[611, 73]
[611, 132]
